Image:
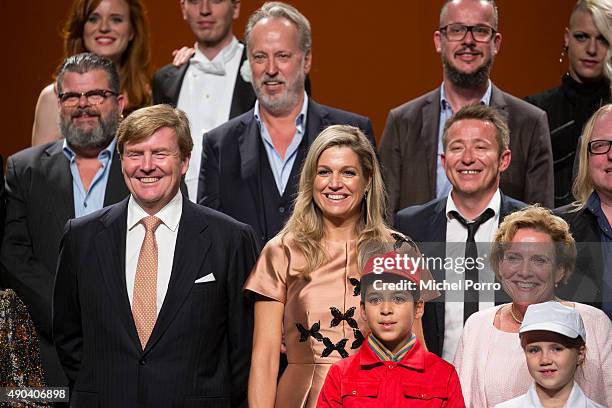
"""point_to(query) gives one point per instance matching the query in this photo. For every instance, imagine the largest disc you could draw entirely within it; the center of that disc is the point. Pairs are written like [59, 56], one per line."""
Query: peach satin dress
[322, 323]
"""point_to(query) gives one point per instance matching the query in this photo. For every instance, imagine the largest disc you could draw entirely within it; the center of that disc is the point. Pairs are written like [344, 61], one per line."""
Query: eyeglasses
[457, 32]
[599, 146]
[94, 97]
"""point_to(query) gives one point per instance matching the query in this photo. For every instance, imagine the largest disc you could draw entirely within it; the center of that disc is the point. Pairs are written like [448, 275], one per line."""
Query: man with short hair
[148, 308]
[49, 184]
[214, 85]
[411, 145]
[251, 164]
[476, 153]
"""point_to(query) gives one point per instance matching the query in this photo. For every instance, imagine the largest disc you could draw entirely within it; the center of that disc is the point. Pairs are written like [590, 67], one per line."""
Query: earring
[365, 195]
[562, 56]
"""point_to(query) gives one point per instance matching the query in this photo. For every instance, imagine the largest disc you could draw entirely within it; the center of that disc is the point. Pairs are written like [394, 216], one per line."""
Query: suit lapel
[498, 101]
[116, 190]
[57, 167]
[429, 137]
[243, 97]
[110, 248]
[174, 82]
[249, 145]
[191, 248]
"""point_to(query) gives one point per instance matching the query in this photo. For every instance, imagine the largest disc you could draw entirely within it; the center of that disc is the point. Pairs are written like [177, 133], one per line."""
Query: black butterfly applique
[358, 339]
[357, 286]
[314, 332]
[339, 317]
[400, 240]
[330, 347]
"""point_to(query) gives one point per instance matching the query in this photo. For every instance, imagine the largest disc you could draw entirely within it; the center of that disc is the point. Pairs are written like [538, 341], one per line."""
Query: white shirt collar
[170, 215]
[494, 204]
[225, 55]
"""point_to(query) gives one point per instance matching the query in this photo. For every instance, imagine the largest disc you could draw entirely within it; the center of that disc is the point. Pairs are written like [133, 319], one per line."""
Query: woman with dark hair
[306, 284]
[115, 29]
[533, 251]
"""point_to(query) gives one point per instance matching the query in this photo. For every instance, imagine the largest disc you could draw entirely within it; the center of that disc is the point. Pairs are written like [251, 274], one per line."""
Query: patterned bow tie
[213, 68]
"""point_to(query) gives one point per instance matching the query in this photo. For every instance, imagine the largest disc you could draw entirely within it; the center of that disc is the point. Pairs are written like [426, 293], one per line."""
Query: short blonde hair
[543, 220]
[142, 123]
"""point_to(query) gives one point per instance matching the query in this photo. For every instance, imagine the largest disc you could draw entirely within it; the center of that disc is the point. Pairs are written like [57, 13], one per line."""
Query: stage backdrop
[368, 56]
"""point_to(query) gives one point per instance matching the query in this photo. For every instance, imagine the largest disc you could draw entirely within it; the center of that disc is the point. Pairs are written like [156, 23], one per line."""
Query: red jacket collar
[414, 359]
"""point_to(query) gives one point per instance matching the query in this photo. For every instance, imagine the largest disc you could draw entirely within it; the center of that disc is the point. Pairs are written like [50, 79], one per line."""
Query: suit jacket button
[281, 210]
[143, 361]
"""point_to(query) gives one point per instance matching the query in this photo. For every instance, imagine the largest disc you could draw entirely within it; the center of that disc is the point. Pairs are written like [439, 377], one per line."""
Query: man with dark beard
[411, 145]
[251, 164]
[49, 184]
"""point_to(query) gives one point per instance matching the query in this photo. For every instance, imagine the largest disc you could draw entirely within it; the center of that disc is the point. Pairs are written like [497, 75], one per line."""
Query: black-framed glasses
[94, 97]
[599, 146]
[457, 32]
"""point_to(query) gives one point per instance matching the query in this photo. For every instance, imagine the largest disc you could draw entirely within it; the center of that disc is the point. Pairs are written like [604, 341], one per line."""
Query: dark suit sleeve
[539, 181]
[208, 183]
[2, 206]
[67, 330]
[391, 161]
[23, 272]
[240, 311]
[369, 132]
[157, 89]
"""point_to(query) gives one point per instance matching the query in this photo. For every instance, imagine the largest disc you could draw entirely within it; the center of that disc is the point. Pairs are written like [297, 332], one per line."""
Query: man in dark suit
[251, 164]
[49, 184]
[476, 153]
[410, 148]
[214, 85]
[148, 307]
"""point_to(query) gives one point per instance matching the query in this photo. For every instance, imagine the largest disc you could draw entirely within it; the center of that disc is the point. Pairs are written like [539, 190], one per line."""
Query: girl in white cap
[553, 338]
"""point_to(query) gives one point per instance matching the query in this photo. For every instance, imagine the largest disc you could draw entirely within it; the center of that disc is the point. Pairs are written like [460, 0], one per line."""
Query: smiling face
[85, 125]
[339, 185]
[586, 48]
[467, 62]
[278, 64]
[528, 269]
[153, 168]
[600, 165]
[390, 315]
[472, 160]
[108, 31]
[553, 365]
[211, 20]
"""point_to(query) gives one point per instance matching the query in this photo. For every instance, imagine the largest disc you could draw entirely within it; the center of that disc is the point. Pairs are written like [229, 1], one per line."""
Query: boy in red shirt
[392, 369]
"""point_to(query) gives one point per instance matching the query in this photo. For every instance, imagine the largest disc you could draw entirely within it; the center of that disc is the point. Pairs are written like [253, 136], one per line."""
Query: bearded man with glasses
[590, 216]
[411, 146]
[49, 184]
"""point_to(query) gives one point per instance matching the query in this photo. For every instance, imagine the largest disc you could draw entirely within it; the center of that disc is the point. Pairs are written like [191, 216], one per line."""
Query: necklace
[512, 314]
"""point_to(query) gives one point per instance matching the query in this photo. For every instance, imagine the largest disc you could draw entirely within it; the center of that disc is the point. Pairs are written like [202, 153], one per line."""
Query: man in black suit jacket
[410, 145]
[251, 164]
[194, 350]
[475, 154]
[214, 85]
[49, 184]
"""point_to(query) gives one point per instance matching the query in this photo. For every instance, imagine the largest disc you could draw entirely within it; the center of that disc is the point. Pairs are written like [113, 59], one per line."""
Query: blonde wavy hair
[306, 223]
[583, 185]
[543, 220]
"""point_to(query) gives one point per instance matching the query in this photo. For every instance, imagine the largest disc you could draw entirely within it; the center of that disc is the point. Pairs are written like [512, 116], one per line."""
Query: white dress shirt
[206, 98]
[456, 236]
[165, 236]
[577, 399]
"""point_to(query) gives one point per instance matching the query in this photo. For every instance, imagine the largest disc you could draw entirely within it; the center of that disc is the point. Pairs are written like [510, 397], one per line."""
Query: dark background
[368, 56]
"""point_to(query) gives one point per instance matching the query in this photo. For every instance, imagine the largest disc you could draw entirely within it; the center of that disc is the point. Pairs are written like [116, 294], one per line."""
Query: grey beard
[98, 138]
[462, 80]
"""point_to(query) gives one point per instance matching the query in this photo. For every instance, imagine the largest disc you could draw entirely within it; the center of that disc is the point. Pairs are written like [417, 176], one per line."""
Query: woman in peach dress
[306, 282]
